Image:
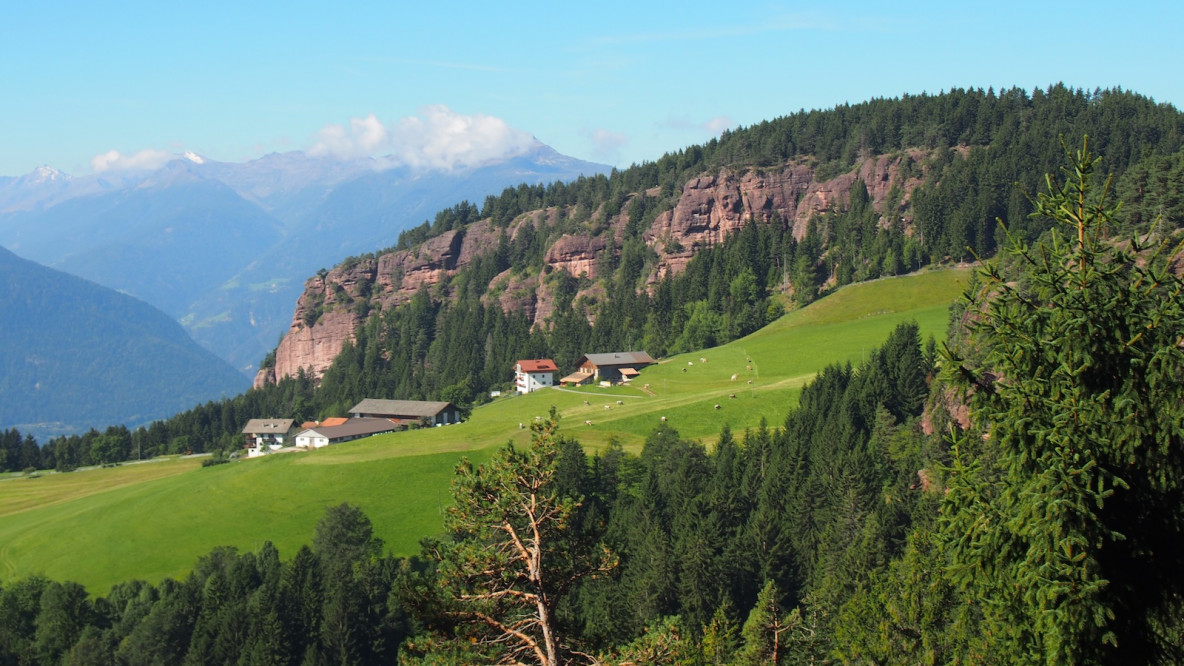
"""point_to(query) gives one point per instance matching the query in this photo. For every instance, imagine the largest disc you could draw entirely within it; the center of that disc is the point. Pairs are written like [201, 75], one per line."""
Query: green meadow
[153, 520]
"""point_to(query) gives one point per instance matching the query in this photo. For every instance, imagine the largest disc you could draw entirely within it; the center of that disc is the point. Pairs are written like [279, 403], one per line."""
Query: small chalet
[610, 367]
[315, 438]
[534, 375]
[407, 411]
[265, 435]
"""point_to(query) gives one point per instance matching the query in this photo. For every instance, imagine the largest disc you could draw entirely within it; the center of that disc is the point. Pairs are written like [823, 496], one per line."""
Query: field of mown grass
[153, 520]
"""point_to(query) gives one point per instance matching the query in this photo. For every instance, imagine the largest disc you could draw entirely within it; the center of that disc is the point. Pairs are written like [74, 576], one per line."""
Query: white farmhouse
[535, 374]
[263, 435]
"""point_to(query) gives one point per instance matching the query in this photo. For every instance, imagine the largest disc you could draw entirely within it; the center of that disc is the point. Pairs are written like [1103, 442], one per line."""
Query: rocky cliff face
[713, 206]
[709, 208]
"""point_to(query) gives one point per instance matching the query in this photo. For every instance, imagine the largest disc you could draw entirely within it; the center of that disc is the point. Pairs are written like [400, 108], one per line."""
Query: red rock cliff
[709, 208]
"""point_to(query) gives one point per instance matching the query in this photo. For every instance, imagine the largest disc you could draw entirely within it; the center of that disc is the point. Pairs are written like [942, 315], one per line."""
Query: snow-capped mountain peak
[194, 157]
[45, 174]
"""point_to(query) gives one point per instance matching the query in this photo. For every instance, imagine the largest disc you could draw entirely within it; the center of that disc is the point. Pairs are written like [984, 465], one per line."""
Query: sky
[87, 87]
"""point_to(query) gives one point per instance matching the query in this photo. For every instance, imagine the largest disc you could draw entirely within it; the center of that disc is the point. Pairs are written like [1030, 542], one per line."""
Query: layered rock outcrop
[713, 206]
[577, 255]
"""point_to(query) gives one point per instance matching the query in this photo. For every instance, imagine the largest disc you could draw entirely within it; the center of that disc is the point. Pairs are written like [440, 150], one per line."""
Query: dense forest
[1012, 497]
[983, 153]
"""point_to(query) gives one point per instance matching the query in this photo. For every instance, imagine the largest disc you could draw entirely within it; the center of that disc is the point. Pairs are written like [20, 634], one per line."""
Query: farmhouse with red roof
[535, 374]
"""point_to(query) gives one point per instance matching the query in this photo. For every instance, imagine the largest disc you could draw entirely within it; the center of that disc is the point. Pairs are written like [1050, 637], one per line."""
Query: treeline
[212, 426]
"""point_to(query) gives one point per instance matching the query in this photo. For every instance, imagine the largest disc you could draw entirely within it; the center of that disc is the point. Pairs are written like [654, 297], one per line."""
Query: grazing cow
[717, 405]
[586, 403]
[702, 360]
[587, 423]
[734, 377]
[663, 419]
[684, 369]
[690, 362]
[620, 402]
[606, 408]
[748, 367]
[733, 396]
[750, 381]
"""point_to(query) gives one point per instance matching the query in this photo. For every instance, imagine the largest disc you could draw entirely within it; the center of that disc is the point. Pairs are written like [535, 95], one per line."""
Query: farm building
[352, 429]
[533, 375]
[264, 435]
[407, 411]
[610, 367]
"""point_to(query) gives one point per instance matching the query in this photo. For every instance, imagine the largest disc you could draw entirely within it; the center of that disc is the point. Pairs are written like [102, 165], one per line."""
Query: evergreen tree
[514, 554]
[1067, 520]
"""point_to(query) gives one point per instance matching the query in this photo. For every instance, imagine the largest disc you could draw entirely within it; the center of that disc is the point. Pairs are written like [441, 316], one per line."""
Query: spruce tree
[1064, 514]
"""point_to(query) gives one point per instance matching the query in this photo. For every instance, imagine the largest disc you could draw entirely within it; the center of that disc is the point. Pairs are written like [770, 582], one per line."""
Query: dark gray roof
[399, 408]
[620, 358]
[355, 428]
[267, 426]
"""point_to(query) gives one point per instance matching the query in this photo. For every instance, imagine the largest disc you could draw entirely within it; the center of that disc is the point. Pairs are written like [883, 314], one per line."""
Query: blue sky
[614, 82]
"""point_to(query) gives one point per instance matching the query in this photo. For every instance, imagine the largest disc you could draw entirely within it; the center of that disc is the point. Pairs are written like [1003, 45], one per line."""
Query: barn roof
[354, 428]
[619, 358]
[399, 408]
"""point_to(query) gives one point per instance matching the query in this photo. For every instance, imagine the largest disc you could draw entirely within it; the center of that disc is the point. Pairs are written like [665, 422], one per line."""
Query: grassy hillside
[153, 520]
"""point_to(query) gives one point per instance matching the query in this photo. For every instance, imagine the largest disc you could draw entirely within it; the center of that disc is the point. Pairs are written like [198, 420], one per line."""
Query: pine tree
[514, 554]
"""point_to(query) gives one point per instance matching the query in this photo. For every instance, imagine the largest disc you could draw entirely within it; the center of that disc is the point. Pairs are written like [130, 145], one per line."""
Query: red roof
[538, 365]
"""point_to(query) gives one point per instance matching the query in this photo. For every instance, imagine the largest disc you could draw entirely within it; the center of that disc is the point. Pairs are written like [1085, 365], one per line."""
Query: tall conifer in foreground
[1064, 514]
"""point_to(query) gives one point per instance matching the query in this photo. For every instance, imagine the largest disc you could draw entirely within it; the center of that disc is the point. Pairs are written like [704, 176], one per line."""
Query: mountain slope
[76, 355]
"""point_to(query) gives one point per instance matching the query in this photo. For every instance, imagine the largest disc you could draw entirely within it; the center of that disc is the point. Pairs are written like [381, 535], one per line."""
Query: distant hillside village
[374, 416]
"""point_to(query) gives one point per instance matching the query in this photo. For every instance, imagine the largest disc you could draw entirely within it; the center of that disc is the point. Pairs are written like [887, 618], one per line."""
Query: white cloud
[113, 160]
[607, 144]
[437, 138]
[714, 126]
[717, 124]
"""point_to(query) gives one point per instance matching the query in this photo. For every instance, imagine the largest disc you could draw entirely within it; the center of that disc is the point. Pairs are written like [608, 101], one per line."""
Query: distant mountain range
[77, 355]
[225, 247]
